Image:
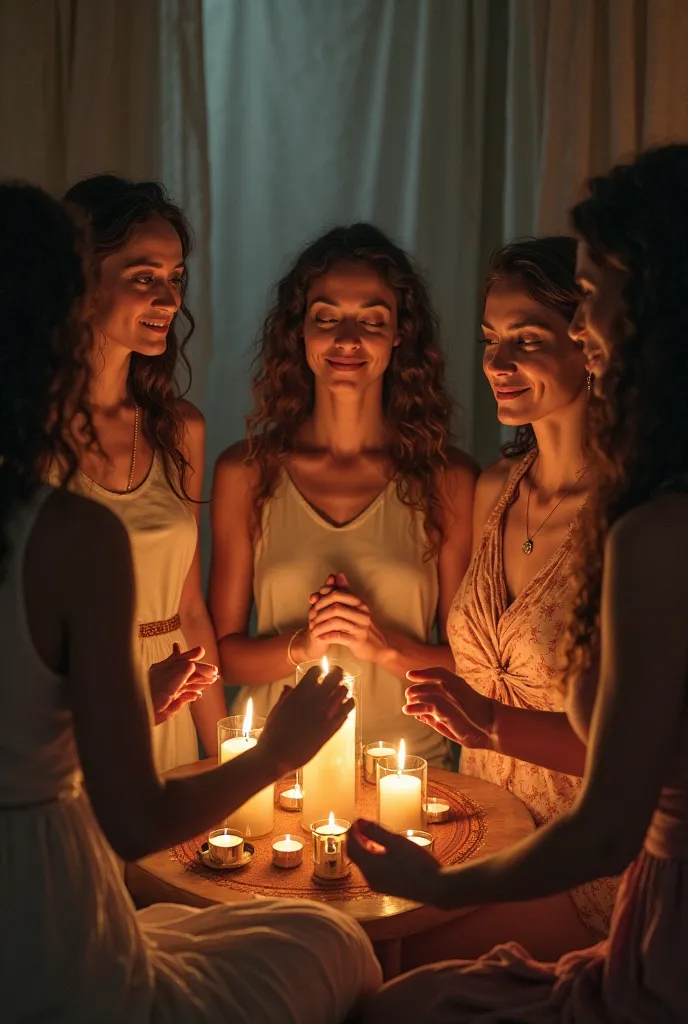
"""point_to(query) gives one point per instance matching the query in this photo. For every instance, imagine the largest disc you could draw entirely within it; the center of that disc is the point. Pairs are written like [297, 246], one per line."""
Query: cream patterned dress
[511, 652]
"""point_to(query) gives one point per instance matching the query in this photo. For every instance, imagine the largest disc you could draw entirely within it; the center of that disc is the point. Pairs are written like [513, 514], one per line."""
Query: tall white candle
[400, 798]
[329, 778]
[256, 816]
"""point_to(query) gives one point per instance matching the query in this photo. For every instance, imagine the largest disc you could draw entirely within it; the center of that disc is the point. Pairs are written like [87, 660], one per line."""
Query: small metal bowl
[208, 862]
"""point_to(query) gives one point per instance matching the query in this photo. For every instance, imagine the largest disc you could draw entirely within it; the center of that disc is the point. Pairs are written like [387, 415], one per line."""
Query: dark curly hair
[416, 405]
[43, 365]
[112, 209]
[546, 269]
[635, 218]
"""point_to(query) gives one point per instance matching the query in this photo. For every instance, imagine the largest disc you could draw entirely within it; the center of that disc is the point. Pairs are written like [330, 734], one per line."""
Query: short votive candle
[291, 799]
[329, 848]
[437, 811]
[226, 846]
[402, 784]
[420, 838]
[371, 755]
[287, 852]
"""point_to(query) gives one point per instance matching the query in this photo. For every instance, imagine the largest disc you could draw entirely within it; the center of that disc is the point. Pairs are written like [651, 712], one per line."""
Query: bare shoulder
[194, 420]
[233, 468]
[488, 491]
[459, 474]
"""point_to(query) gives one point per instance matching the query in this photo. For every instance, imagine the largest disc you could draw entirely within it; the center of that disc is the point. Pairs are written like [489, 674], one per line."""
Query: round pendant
[527, 546]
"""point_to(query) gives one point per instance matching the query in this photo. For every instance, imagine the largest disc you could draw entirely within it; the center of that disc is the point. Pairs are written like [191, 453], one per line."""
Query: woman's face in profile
[599, 320]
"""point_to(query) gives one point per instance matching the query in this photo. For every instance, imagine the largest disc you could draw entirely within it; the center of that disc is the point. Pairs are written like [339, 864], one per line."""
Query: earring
[589, 382]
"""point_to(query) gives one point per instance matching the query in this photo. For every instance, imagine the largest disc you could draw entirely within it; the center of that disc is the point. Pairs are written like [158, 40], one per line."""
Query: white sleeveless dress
[163, 535]
[383, 553]
[74, 950]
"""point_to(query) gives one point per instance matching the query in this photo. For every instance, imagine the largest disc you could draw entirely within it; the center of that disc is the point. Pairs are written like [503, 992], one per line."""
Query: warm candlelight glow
[248, 718]
[288, 837]
[331, 820]
[325, 665]
[401, 757]
[298, 794]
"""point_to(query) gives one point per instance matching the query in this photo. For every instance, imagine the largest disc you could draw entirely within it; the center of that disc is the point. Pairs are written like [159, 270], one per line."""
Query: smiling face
[534, 368]
[350, 327]
[140, 289]
[599, 320]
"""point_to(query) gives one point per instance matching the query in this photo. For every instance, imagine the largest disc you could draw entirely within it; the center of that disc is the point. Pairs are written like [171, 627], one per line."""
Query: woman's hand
[394, 865]
[178, 680]
[305, 718]
[337, 616]
[453, 708]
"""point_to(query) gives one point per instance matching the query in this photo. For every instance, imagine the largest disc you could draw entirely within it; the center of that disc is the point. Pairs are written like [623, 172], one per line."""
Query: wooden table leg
[388, 953]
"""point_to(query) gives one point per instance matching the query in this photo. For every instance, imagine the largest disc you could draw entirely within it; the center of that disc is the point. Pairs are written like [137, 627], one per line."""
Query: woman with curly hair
[77, 777]
[346, 483]
[507, 623]
[148, 465]
[631, 608]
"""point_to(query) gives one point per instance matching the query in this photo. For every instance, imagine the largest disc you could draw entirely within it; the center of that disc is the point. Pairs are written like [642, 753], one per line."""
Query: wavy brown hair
[416, 405]
[636, 218]
[113, 208]
[43, 365]
[546, 270]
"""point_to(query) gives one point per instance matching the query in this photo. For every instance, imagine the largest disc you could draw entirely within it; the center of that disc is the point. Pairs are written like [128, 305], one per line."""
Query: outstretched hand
[394, 865]
[304, 718]
[178, 680]
[338, 616]
[446, 702]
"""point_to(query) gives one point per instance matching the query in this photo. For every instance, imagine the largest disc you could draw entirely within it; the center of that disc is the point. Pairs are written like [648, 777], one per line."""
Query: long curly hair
[546, 269]
[43, 349]
[416, 406]
[636, 218]
[112, 208]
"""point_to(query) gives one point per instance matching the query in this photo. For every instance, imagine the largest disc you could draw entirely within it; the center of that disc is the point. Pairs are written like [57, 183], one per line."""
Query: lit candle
[292, 799]
[437, 811]
[225, 847]
[329, 848]
[287, 852]
[400, 798]
[371, 755]
[419, 838]
[329, 778]
[256, 816]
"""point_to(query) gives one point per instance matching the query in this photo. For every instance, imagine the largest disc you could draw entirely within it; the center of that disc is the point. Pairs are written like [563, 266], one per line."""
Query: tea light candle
[329, 848]
[437, 811]
[226, 846]
[400, 798]
[371, 755]
[292, 799]
[287, 852]
[420, 838]
[256, 816]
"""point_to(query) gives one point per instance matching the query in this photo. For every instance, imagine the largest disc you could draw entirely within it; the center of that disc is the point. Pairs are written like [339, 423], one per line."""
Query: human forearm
[401, 654]
[251, 661]
[210, 706]
[540, 737]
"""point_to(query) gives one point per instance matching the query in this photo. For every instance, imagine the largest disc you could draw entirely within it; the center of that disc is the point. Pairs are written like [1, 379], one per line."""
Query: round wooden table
[494, 819]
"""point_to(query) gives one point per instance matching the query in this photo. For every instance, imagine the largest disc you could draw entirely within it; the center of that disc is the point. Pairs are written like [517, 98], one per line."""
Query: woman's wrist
[297, 649]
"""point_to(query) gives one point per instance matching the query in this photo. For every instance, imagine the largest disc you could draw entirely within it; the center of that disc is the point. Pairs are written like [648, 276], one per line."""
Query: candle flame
[325, 665]
[409, 832]
[401, 756]
[288, 837]
[248, 718]
[297, 792]
[331, 819]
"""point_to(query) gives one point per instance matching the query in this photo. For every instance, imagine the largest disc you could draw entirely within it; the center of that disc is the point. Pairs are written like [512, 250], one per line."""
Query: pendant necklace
[527, 546]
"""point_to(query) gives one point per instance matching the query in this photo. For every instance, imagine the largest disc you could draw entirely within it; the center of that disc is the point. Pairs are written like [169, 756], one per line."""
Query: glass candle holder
[437, 811]
[226, 846]
[235, 735]
[329, 848]
[291, 796]
[420, 838]
[287, 852]
[372, 753]
[330, 779]
[402, 785]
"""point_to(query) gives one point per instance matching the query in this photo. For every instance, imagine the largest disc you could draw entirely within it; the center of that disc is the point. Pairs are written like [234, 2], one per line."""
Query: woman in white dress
[77, 777]
[149, 470]
[347, 469]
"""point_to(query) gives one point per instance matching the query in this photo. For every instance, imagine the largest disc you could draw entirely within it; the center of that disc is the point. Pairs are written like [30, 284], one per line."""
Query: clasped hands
[338, 616]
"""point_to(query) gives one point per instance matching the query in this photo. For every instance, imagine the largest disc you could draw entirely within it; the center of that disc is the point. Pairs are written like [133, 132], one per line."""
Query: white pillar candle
[400, 799]
[256, 816]
[329, 778]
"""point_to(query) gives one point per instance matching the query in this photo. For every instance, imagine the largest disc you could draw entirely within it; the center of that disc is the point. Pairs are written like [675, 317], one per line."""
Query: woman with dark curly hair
[148, 466]
[631, 608]
[77, 777]
[346, 489]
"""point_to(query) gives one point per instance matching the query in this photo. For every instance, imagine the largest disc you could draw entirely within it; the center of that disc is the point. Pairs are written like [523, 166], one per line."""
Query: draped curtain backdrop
[453, 124]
